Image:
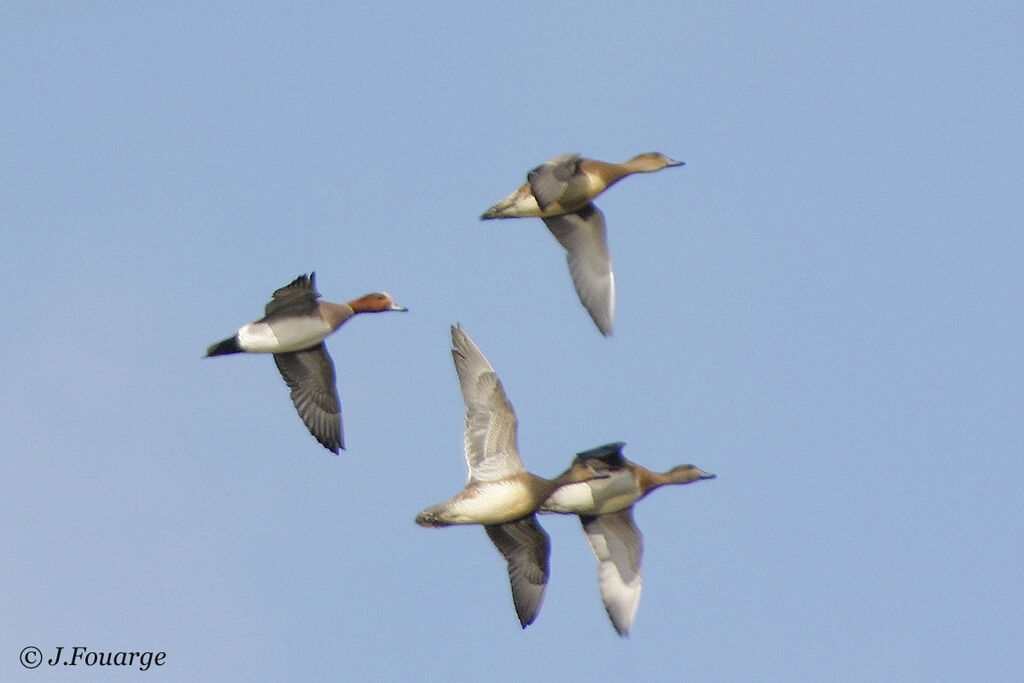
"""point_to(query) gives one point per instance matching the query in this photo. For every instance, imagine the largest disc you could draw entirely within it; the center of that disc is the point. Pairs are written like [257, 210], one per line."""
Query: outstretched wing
[583, 235]
[310, 375]
[526, 547]
[618, 545]
[490, 437]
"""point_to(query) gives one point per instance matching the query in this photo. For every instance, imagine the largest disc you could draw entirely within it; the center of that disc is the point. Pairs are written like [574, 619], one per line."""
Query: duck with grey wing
[561, 192]
[500, 494]
[605, 508]
[293, 329]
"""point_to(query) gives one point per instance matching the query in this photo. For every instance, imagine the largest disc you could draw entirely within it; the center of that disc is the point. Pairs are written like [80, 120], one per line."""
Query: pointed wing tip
[621, 624]
[529, 612]
[458, 334]
[602, 321]
[335, 446]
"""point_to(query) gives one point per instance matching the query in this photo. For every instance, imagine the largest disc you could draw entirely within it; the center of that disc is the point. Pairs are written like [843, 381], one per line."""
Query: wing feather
[618, 545]
[490, 437]
[526, 547]
[310, 376]
[583, 235]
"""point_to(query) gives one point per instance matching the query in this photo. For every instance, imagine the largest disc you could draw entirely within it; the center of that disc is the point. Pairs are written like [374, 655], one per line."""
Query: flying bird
[561, 192]
[293, 329]
[605, 508]
[500, 493]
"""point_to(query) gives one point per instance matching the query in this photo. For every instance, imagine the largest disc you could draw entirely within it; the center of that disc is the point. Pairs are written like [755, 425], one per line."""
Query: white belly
[491, 503]
[571, 499]
[284, 336]
[595, 497]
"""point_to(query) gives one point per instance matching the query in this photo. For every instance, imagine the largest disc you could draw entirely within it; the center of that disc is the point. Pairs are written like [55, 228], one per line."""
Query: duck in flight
[605, 508]
[293, 329]
[500, 494]
[561, 192]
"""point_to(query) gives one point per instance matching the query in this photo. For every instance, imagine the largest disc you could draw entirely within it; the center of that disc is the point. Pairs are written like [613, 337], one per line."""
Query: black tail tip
[229, 345]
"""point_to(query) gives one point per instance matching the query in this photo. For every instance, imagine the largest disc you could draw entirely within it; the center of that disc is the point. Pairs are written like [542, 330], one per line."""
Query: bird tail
[503, 209]
[229, 345]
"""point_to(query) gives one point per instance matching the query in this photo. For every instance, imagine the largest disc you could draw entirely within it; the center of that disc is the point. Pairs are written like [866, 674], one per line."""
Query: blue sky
[823, 307]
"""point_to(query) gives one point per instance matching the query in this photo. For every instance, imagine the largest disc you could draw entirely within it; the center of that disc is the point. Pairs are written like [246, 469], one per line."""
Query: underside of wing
[583, 235]
[490, 437]
[618, 545]
[526, 547]
[310, 376]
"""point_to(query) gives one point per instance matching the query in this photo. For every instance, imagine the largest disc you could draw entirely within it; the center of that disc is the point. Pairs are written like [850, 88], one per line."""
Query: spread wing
[583, 235]
[490, 437]
[526, 547]
[618, 545]
[296, 298]
[310, 375]
[549, 180]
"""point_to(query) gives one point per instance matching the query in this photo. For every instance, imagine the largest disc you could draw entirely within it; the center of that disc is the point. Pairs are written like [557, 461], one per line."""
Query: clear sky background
[824, 307]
